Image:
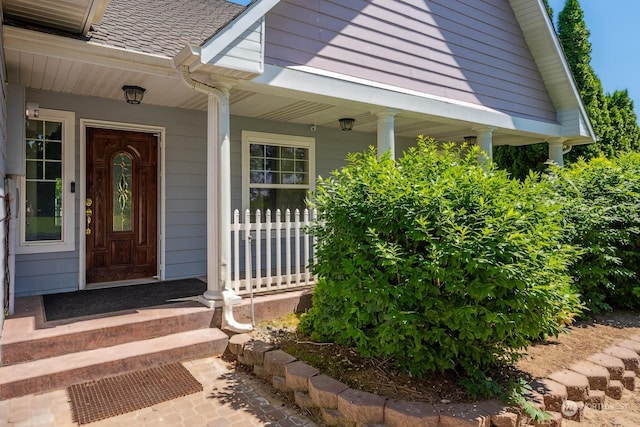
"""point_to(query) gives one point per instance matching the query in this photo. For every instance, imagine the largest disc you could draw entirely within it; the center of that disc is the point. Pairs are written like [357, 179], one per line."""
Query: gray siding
[245, 53]
[3, 156]
[572, 122]
[185, 213]
[467, 50]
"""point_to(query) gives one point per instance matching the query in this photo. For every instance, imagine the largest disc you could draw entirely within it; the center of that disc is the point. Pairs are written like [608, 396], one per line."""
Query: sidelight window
[47, 207]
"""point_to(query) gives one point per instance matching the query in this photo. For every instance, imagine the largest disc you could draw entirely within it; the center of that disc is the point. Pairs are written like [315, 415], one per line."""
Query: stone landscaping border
[564, 394]
[340, 405]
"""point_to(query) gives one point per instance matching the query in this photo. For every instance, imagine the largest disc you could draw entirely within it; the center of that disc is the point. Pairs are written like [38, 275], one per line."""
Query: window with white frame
[278, 171]
[47, 211]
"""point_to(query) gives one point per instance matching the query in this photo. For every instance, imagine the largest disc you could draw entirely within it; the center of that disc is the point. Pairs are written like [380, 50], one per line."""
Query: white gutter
[221, 247]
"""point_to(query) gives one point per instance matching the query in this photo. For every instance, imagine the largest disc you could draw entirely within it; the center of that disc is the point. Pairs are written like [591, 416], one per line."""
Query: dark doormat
[107, 300]
[112, 396]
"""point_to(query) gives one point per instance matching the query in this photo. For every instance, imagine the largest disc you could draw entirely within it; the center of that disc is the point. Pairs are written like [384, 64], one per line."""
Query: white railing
[277, 254]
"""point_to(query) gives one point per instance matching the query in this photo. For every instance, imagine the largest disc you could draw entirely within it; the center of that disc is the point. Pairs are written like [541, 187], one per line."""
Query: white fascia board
[228, 34]
[558, 54]
[323, 84]
[21, 40]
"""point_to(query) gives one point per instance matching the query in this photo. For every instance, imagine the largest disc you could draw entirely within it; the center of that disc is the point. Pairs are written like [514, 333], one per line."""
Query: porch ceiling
[55, 72]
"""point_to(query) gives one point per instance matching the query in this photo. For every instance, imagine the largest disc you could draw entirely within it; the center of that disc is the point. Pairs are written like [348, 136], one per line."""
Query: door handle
[89, 214]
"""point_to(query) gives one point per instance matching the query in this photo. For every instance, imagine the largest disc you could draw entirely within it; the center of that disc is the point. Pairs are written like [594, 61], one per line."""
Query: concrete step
[577, 384]
[62, 371]
[614, 365]
[629, 357]
[22, 342]
[597, 375]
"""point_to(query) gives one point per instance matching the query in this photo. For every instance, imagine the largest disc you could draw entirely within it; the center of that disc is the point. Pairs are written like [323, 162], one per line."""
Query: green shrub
[602, 206]
[436, 262]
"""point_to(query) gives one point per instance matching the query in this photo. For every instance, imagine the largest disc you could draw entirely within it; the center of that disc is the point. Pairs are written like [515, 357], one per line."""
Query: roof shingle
[161, 27]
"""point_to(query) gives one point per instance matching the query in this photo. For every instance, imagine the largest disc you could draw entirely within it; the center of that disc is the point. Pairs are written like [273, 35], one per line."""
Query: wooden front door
[121, 205]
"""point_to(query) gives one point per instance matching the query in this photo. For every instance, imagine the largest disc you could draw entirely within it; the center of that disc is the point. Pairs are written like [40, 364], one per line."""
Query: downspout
[228, 295]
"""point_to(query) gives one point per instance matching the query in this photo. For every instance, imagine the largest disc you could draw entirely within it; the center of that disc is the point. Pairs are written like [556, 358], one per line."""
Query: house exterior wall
[185, 175]
[185, 191]
[3, 155]
[464, 50]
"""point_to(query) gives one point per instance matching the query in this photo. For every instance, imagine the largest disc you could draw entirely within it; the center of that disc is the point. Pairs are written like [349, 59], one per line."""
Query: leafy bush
[602, 206]
[436, 262]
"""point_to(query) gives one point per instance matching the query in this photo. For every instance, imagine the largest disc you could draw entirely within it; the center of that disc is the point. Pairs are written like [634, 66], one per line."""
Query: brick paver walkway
[229, 399]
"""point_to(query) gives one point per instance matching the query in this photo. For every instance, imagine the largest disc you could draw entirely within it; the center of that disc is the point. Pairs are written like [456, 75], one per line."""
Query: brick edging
[340, 405]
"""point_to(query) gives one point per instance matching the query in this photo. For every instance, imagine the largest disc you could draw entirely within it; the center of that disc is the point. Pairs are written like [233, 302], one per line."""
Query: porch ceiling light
[133, 94]
[346, 124]
[32, 110]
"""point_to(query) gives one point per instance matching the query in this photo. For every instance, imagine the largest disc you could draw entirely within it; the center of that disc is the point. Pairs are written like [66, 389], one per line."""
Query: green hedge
[436, 262]
[601, 200]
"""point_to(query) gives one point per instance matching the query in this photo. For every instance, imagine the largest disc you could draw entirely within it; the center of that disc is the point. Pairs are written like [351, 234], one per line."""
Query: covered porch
[207, 105]
[280, 101]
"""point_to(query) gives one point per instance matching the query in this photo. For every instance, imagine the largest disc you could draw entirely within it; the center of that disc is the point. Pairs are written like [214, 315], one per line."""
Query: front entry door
[121, 205]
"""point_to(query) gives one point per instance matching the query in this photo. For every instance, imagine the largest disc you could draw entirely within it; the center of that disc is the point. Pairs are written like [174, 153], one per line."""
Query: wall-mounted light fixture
[32, 110]
[346, 123]
[133, 94]
[471, 140]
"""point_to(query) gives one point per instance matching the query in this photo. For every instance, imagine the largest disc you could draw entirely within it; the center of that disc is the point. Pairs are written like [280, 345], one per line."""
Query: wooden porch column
[556, 151]
[386, 132]
[218, 196]
[485, 141]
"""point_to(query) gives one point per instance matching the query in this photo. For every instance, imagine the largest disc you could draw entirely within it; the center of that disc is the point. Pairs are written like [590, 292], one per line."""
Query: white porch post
[485, 141]
[556, 152]
[386, 133]
[218, 197]
[224, 211]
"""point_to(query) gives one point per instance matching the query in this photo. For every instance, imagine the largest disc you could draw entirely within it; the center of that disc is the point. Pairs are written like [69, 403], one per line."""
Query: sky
[615, 42]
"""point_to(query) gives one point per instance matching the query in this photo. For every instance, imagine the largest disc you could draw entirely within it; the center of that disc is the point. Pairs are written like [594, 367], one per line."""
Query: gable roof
[536, 27]
[161, 27]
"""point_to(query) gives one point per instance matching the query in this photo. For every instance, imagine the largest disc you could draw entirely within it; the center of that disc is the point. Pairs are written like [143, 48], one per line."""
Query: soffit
[40, 72]
[57, 64]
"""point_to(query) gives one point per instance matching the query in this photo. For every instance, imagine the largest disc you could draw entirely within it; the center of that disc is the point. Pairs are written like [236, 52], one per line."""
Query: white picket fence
[277, 254]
